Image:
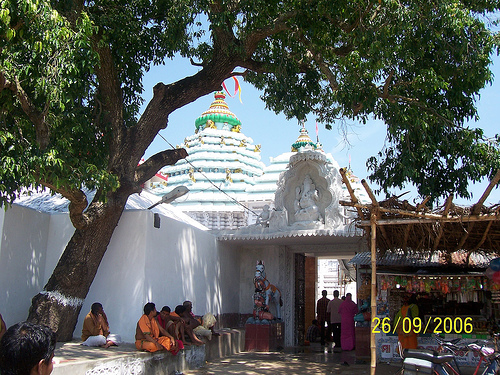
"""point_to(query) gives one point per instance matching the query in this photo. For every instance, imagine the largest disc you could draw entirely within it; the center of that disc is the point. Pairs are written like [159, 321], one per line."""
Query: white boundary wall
[165, 265]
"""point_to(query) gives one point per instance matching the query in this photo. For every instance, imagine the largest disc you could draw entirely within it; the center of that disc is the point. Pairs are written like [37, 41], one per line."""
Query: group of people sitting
[164, 330]
[28, 348]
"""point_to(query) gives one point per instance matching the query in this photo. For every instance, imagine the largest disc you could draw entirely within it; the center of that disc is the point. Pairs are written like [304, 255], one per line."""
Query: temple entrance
[324, 273]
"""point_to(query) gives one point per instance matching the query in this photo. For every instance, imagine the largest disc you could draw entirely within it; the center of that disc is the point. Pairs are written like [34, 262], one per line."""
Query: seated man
[27, 349]
[183, 327]
[95, 330]
[206, 328]
[202, 327]
[313, 333]
[169, 322]
[164, 318]
[147, 333]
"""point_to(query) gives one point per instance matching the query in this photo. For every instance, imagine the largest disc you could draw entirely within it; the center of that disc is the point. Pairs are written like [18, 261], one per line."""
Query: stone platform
[264, 337]
[73, 358]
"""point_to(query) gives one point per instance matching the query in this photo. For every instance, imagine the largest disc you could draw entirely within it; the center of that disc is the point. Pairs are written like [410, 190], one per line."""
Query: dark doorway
[300, 298]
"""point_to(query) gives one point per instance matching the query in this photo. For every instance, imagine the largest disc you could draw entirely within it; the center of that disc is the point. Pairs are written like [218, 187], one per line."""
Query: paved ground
[293, 361]
[298, 361]
[290, 361]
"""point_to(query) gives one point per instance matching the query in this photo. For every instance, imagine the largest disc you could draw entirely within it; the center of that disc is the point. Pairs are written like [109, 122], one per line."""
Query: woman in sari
[347, 310]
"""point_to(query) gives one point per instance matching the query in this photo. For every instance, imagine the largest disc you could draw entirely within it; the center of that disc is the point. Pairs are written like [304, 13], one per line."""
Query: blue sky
[276, 134]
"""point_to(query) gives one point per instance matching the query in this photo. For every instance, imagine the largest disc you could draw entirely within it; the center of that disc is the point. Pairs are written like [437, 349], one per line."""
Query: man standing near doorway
[322, 315]
[334, 326]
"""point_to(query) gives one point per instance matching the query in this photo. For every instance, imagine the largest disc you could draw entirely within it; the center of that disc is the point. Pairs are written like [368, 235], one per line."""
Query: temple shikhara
[229, 184]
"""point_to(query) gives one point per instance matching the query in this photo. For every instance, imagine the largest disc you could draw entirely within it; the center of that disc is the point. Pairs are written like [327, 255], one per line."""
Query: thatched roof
[420, 261]
[448, 229]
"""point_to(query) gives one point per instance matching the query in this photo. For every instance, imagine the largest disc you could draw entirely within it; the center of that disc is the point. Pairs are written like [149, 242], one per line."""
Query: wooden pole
[350, 190]
[476, 209]
[373, 347]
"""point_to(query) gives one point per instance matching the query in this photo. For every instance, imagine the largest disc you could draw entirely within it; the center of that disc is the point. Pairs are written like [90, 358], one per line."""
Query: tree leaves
[417, 65]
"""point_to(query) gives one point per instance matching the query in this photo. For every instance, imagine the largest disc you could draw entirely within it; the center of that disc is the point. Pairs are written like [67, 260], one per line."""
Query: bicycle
[451, 347]
[422, 361]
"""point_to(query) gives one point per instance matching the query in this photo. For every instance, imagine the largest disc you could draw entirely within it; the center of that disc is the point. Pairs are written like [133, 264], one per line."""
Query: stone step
[73, 358]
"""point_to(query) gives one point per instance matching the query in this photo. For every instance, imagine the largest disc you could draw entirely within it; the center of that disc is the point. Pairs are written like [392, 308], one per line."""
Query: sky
[276, 134]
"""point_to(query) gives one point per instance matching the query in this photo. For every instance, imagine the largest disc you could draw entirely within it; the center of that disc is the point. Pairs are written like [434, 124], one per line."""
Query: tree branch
[318, 58]
[277, 26]
[195, 63]
[150, 167]
[417, 103]
[36, 116]
[110, 94]
[350, 27]
[78, 203]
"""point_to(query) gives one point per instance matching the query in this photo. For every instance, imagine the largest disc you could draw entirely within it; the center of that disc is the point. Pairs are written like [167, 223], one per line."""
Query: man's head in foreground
[27, 349]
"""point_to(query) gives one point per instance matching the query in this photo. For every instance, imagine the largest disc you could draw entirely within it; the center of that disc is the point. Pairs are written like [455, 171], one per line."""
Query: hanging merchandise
[444, 286]
[427, 285]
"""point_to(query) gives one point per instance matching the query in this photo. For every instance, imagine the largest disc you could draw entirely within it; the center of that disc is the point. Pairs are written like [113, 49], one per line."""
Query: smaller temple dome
[303, 140]
[217, 115]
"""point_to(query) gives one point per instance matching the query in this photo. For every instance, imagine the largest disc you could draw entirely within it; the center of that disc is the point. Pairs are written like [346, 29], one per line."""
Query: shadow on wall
[188, 262]
[120, 281]
[22, 260]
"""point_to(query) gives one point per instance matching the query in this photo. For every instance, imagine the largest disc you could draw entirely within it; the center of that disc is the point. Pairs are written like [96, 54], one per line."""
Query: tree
[70, 85]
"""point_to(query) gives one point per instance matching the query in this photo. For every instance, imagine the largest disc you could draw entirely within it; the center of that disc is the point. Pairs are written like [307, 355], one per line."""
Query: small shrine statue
[265, 292]
[306, 197]
[210, 125]
[191, 175]
[263, 218]
[228, 175]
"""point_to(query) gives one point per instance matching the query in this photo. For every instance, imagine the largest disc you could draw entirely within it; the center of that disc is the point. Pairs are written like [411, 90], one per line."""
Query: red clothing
[347, 311]
[161, 322]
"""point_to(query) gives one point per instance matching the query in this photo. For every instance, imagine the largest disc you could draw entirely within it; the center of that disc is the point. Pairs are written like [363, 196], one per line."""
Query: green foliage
[417, 65]
[54, 57]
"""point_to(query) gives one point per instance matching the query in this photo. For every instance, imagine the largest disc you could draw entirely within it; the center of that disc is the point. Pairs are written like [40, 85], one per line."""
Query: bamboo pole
[485, 235]
[373, 348]
[350, 190]
[431, 220]
[376, 205]
[421, 217]
[441, 227]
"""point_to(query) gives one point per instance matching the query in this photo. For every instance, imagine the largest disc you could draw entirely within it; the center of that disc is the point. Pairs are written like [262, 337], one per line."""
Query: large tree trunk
[59, 304]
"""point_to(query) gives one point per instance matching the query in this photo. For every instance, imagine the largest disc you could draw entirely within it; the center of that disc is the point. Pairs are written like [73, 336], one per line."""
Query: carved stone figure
[306, 197]
[265, 292]
[263, 218]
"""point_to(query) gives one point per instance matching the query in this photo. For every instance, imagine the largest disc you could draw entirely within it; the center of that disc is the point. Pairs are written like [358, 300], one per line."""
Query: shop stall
[454, 302]
[395, 225]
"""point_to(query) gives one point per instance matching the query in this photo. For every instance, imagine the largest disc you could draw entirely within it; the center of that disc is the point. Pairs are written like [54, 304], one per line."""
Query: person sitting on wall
[95, 330]
[185, 328]
[27, 349]
[147, 333]
[206, 328]
[196, 322]
[169, 322]
[313, 333]
[164, 318]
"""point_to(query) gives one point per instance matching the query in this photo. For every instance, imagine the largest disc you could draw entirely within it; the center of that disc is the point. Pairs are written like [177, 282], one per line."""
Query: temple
[203, 246]
[229, 184]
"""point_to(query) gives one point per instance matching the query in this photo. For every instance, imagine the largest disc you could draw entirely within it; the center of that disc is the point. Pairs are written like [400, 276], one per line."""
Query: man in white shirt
[334, 323]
